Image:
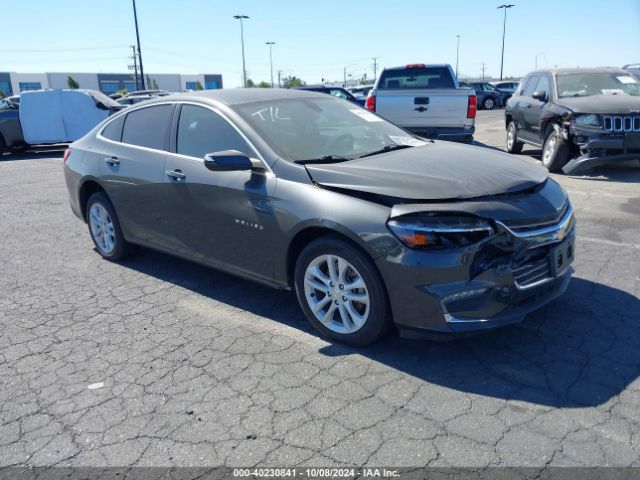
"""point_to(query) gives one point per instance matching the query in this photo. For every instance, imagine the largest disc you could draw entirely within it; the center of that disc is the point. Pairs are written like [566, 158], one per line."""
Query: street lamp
[504, 28]
[244, 68]
[271, 44]
[457, 54]
[545, 59]
[135, 19]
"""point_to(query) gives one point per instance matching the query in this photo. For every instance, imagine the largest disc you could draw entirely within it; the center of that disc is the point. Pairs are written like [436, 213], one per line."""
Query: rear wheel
[104, 228]
[489, 103]
[555, 152]
[3, 145]
[513, 145]
[341, 292]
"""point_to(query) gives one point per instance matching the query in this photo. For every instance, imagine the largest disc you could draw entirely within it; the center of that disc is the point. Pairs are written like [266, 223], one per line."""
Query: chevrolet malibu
[371, 226]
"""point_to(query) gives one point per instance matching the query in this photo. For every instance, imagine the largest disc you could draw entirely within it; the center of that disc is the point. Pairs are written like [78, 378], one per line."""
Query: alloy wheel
[336, 293]
[549, 150]
[102, 229]
[511, 134]
[489, 104]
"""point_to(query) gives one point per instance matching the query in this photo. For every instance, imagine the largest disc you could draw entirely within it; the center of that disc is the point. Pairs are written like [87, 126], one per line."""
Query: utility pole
[457, 54]
[244, 68]
[504, 29]
[344, 71]
[271, 44]
[279, 76]
[483, 69]
[135, 66]
[375, 68]
[135, 19]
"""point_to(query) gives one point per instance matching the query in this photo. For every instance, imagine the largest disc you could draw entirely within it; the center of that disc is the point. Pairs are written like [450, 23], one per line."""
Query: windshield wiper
[325, 159]
[385, 149]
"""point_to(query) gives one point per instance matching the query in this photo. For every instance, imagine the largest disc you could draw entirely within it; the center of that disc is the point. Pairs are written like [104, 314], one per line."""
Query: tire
[101, 217]
[488, 103]
[513, 145]
[3, 145]
[346, 320]
[555, 152]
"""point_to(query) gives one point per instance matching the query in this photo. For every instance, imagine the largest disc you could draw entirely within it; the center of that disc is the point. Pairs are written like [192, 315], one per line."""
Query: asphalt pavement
[159, 362]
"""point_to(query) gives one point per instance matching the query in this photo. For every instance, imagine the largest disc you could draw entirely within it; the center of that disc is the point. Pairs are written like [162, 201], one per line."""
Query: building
[14, 83]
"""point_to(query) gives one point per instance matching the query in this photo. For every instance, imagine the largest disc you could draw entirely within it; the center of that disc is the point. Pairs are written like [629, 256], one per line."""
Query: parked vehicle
[633, 68]
[488, 97]
[52, 116]
[133, 99]
[335, 91]
[581, 117]
[156, 93]
[369, 224]
[426, 100]
[506, 89]
[360, 93]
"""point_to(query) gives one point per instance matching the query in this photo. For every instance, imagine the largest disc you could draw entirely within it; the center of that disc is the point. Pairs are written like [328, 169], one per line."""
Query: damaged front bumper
[491, 285]
[597, 148]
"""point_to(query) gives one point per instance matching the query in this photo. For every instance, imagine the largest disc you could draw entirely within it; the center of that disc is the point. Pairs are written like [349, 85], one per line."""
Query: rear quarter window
[113, 130]
[416, 78]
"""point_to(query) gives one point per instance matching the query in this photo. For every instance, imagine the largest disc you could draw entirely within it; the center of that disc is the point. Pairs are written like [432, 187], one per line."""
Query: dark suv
[581, 117]
[488, 97]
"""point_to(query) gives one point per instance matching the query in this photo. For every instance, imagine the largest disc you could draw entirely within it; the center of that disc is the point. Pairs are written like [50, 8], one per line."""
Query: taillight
[416, 65]
[65, 157]
[472, 106]
[370, 103]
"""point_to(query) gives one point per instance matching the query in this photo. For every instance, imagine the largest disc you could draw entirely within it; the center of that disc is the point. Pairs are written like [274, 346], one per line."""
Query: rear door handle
[113, 161]
[175, 174]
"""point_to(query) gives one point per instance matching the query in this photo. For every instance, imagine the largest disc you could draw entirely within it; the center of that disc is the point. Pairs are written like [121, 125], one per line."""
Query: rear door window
[148, 127]
[416, 78]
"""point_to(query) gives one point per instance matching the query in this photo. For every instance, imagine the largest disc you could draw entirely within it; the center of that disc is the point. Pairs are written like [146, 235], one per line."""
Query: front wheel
[341, 292]
[489, 103]
[104, 228]
[555, 152]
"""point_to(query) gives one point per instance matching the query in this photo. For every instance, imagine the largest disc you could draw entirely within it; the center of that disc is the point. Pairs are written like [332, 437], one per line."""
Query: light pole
[545, 59]
[457, 54]
[504, 29]
[244, 68]
[135, 19]
[271, 44]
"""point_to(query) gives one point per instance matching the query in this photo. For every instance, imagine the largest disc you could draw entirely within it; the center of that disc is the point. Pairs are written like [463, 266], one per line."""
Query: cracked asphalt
[203, 369]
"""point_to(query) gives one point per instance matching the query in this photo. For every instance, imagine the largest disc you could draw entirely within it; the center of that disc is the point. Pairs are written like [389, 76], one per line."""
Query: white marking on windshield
[269, 113]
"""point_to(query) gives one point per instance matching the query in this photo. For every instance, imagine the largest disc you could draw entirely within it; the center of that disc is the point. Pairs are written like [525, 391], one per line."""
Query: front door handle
[175, 174]
[113, 161]
[421, 109]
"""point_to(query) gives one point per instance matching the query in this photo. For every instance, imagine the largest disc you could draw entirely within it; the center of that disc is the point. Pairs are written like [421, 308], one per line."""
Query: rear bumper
[454, 134]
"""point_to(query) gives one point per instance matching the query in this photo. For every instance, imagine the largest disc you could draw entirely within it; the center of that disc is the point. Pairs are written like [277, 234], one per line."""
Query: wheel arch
[88, 188]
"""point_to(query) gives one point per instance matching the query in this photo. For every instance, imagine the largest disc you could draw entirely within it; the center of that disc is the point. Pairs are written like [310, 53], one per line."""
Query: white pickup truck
[426, 100]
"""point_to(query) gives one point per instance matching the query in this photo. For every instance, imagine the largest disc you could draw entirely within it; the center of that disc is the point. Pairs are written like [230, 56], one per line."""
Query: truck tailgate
[424, 108]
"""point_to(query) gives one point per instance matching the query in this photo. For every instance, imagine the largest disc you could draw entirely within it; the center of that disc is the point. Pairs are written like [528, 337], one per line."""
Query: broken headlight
[588, 120]
[439, 232]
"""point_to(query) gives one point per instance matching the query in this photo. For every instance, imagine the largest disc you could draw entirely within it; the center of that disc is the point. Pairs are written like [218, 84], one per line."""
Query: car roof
[427, 65]
[238, 96]
[562, 71]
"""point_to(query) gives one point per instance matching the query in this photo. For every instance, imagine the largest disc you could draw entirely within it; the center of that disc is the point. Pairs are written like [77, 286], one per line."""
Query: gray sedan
[371, 226]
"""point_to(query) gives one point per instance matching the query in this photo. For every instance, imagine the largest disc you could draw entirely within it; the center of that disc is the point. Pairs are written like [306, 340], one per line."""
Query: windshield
[598, 83]
[314, 128]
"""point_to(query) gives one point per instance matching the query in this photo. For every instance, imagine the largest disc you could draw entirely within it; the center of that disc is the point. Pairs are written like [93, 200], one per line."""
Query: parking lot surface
[156, 361]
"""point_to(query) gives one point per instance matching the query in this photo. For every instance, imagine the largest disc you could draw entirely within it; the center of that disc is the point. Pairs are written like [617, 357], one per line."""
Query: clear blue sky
[315, 39]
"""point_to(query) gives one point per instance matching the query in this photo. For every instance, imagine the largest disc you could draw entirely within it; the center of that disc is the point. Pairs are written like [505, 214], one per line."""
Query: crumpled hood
[614, 104]
[436, 171]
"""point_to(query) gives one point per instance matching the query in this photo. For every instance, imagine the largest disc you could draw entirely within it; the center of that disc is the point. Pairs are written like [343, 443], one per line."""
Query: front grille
[622, 123]
[523, 226]
[532, 271]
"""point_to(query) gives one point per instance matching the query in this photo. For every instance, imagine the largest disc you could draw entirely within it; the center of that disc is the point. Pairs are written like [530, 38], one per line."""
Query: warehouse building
[15, 83]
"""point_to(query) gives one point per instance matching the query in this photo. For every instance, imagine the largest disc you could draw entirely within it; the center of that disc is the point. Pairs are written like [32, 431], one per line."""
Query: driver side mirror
[540, 95]
[230, 161]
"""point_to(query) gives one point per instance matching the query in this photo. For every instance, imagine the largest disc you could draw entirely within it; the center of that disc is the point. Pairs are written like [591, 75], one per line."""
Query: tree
[199, 86]
[250, 83]
[1, 95]
[293, 81]
[264, 84]
[155, 85]
[72, 82]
